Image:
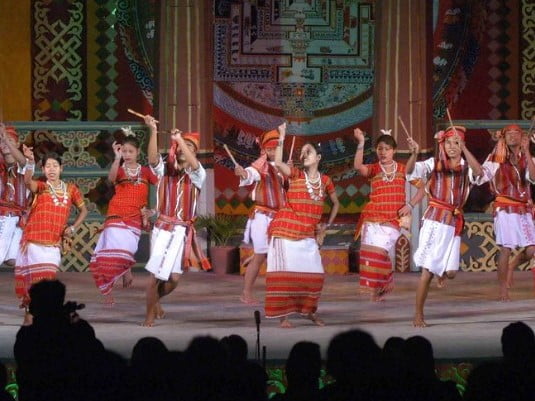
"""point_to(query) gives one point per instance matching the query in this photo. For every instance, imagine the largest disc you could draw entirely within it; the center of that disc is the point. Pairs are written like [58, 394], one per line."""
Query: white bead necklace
[389, 177]
[133, 173]
[55, 198]
[314, 185]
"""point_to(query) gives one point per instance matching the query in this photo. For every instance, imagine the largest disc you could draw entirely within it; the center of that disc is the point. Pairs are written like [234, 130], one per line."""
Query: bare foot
[248, 300]
[441, 281]
[379, 295]
[316, 320]
[128, 279]
[509, 282]
[108, 300]
[158, 311]
[148, 323]
[504, 293]
[419, 321]
[285, 323]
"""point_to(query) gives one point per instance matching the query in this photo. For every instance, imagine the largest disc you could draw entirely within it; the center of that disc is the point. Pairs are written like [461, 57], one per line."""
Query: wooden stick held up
[404, 127]
[292, 148]
[449, 118]
[230, 155]
[139, 114]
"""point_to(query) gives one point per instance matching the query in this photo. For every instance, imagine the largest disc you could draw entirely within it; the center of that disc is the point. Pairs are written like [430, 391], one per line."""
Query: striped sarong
[35, 263]
[292, 292]
[114, 254]
[375, 269]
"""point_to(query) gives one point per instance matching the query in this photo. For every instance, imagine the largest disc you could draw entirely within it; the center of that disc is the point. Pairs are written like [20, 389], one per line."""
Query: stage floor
[465, 318]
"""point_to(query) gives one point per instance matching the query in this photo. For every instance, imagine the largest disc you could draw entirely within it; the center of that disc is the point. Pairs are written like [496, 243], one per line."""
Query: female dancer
[380, 222]
[40, 256]
[114, 254]
[295, 273]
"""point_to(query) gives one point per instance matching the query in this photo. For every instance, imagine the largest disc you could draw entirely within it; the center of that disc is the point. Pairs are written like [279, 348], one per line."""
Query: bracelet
[360, 146]
[410, 205]
[73, 229]
[29, 165]
[281, 142]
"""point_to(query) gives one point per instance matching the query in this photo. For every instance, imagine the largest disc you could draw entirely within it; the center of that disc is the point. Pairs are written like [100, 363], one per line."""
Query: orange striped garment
[269, 191]
[13, 193]
[386, 198]
[299, 217]
[448, 191]
[47, 221]
[130, 197]
[511, 188]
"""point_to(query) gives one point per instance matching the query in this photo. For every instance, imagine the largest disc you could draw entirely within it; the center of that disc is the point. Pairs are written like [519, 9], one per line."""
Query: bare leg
[421, 296]
[128, 278]
[108, 300]
[152, 299]
[251, 273]
[315, 319]
[503, 261]
[285, 323]
[158, 311]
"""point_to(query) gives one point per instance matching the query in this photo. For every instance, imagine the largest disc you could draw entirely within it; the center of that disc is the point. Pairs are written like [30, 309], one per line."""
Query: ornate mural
[307, 62]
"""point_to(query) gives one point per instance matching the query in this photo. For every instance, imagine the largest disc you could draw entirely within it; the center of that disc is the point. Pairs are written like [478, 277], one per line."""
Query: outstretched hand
[413, 145]
[359, 135]
[27, 151]
[150, 121]
[176, 134]
[117, 149]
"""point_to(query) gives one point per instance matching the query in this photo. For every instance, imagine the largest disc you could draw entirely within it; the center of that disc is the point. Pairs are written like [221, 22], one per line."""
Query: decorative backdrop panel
[309, 63]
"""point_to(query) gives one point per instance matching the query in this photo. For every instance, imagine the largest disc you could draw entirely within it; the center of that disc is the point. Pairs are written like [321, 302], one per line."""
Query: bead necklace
[133, 173]
[389, 177]
[313, 186]
[55, 198]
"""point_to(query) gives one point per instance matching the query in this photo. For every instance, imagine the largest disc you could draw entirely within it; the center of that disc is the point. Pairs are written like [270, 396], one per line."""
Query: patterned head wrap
[441, 137]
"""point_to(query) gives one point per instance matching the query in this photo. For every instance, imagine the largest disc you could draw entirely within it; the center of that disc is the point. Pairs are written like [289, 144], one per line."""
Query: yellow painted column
[15, 61]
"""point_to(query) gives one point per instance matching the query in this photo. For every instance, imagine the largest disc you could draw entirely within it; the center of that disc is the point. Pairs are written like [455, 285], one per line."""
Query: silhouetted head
[236, 347]
[47, 298]
[304, 363]
[518, 341]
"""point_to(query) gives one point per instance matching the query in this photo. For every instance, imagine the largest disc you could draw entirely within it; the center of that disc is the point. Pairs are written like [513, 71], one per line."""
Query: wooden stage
[465, 318]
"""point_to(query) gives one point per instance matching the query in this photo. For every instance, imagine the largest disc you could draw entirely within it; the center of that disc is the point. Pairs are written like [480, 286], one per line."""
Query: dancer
[118, 242]
[44, 234]
[510, 170]
[173, 242]
[269, 197]
[383, 216]
[449, 179]
[295, 272]
[14, 199]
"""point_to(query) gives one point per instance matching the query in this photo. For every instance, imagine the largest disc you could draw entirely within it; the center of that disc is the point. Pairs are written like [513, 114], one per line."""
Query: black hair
[316, 145]
[387, 139]
[51, 155]
[121, 138]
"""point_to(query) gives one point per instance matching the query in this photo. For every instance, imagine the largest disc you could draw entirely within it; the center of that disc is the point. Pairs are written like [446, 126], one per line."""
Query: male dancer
[269, 197]
[449, 178]
[173, 242]
[13, 194]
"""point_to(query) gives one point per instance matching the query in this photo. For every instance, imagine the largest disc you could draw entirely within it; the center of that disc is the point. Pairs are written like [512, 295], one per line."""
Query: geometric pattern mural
[309, 63]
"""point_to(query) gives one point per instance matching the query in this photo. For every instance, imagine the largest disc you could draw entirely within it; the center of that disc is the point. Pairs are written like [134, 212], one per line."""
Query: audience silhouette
[59, 358]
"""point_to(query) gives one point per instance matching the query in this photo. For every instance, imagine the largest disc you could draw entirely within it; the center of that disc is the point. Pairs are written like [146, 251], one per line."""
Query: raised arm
[15, 152]
[477, 170]
[31, 184]
[284, 168]
[359, 154]
[152, 149]
[191, 158]
[525, 149]
[112, 175]
[413, 147]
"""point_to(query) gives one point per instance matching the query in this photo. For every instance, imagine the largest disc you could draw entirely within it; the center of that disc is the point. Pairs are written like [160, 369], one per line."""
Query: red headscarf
[193, 137]
[268, 140]
[501, 151]
[441, 137]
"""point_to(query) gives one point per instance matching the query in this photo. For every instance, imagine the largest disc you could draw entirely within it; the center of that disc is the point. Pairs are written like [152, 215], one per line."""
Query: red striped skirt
[114, 255]
[292, 292]
[35, 263]
[375, 270]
